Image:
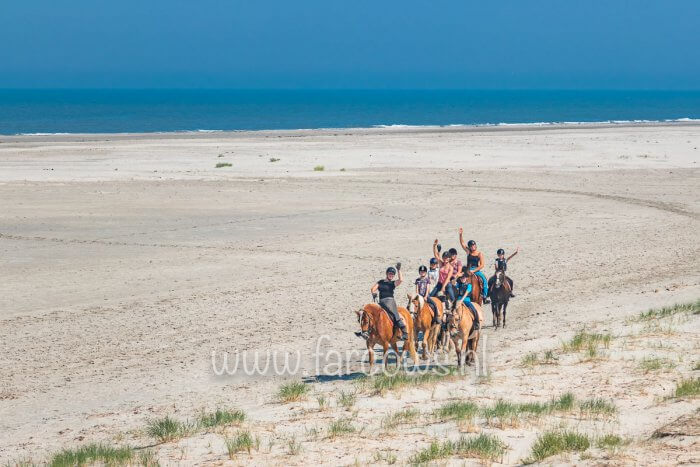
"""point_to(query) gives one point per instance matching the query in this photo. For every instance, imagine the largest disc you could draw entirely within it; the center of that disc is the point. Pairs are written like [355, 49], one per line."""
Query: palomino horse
[500, 294]
[423, 321]
[380, 328]
[459, 325]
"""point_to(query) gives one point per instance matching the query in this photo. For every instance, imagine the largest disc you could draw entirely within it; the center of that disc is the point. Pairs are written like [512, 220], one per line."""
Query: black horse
[500, 294]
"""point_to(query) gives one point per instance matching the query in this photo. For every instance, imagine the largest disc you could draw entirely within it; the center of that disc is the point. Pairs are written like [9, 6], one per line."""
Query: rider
[386, 287]
[501, 264]
[475, 262]
[433, 272]
[423, 282]
[464, 290]
[444, 274]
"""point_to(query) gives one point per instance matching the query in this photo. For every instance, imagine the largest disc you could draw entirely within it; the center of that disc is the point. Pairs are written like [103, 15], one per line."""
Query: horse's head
[500, 278]
[415, 303]
[364, 319]
[453, 320]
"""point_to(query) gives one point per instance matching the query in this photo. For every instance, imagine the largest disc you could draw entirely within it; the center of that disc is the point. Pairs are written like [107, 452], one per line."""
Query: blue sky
[350, 44]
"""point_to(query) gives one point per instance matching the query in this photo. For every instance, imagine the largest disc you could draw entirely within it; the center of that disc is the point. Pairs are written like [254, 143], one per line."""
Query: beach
[128, 259]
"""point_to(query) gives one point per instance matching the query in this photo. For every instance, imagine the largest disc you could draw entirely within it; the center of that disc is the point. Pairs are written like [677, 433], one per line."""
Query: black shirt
[501, 264]
[473, 261]
[386, 288]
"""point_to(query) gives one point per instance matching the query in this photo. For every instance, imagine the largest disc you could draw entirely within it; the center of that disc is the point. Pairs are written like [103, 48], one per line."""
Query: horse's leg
[371, 355]
[494, 312]
[385, 346]
[458, 350]
[505, 305]
[395, 347]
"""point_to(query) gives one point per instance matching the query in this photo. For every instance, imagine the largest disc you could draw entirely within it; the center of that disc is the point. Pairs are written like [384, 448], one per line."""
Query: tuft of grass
[586, 341]
[550, 358]
[392, 420]
[274, 159]
[535, 409]
[610, 442]
[530, 359]
[221, 417]
[293, 447]
[688, 387]
[697, 366]
[387, 382]
[347, 400]
[167, 429]
[553, 442]
[462, 411]
[147, 458]
[243, 441]
[563, 403]
[487, 447]
[319, 168]
[343, 169]
[340, 427]
[665, 312]
[322, 402]
[649, 364]
[597, 407]
[292, 392]
[222, 164]
[501, 414]
[385, 456]
[90, 454]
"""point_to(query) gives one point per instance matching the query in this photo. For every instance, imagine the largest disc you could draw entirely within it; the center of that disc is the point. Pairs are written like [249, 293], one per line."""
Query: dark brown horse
[376, 323]
[477, 289]
[500, 294]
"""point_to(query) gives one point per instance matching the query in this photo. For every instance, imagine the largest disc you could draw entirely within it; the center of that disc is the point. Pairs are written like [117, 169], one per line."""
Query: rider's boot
[512, 295]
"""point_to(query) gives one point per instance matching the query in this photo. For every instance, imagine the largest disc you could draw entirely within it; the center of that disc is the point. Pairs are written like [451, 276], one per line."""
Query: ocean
[140, 111]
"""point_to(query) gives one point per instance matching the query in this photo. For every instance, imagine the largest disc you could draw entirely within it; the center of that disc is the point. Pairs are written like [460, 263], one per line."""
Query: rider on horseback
[475, 262]
[386, 287]
[501, 264]
[464, 290]
[444, 275]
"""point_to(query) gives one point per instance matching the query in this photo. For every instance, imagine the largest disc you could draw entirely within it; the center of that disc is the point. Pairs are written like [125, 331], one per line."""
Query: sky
[383, 44]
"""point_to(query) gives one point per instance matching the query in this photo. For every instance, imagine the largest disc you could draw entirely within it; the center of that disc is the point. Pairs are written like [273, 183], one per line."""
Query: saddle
[475, 314]
[433, 307]
[389, 314]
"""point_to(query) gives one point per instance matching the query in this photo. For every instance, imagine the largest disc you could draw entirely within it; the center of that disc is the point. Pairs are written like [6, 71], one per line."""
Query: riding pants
[388, 303]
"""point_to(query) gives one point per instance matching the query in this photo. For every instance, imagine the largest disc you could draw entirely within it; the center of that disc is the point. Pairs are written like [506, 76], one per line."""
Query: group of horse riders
[446, 279]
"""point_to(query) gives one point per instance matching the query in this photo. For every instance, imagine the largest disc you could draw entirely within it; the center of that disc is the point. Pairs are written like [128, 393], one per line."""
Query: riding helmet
[500, 252]
[471, 242]
[433, 260]
[423, 269]
[391, 270]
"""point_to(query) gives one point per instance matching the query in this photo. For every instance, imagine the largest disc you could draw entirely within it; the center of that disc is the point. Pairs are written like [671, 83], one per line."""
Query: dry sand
[128, 259]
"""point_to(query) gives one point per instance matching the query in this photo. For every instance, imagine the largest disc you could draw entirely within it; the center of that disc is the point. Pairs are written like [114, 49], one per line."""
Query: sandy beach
[128, 259]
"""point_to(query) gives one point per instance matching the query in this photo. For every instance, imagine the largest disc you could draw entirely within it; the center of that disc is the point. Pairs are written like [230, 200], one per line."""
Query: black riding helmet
[422, 269]
[471, 243]
[500, 252]
[391, 270]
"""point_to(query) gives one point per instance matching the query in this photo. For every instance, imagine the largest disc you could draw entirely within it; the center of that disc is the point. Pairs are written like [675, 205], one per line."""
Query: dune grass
[385, 457]
[322, 402]
[168, 429]
[223, 164]
[388, 382]
[347, 399]
[563, 403]
[597, 407]
[667, 311]
[243, 441]
[688, 388]
[319, 168]
[340, 427]
[556, 442]
[610, 442]
[531, 359]
[483, 446]
[459, 410]
[91, 454]
[401, 417]
[292, 392]
[587, 341]
[650, 364]
[274, 159]
[220, 417]
[293, 447]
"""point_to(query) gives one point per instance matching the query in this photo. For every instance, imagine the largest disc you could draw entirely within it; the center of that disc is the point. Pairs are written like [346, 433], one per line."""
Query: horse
[380, 328]
[459, 325]
[423, 321]
[477, 288]
[500, 294]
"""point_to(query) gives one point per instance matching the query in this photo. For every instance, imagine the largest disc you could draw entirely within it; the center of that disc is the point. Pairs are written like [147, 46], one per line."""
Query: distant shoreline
[377, 130]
